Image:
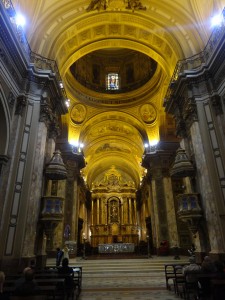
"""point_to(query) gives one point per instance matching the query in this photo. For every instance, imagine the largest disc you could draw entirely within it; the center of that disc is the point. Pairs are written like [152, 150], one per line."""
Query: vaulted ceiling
[114, 126]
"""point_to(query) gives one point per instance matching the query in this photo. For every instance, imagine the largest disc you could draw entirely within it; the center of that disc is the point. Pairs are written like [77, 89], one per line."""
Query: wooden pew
[50, 282]
[50, 287]
[33, 297]
[218, 289]
[170, 270]
[200, 286]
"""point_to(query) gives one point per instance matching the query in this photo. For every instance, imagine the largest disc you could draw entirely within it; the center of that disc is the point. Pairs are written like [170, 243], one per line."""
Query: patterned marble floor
[124, 279]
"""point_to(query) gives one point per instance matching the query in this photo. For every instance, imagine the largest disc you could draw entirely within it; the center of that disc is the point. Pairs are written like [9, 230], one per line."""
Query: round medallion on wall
[148, 113]
[78, 113]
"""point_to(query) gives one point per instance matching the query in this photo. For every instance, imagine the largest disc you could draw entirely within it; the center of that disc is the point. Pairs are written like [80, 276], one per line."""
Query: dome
[114, 70]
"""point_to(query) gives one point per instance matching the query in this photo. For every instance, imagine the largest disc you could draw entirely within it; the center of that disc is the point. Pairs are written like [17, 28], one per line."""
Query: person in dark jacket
[208, 265]
[26, 285]
[67, 271]
[3, 295]
[59, 255]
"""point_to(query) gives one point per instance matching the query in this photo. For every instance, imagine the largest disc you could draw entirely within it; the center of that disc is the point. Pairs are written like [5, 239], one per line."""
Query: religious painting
[78, 113]
[148, 113]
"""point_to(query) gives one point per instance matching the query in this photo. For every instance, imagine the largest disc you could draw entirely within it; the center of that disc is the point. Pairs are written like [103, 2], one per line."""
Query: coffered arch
[57, 26]
[110, 34]
[160, 58]
[115, 138]
[125, 117]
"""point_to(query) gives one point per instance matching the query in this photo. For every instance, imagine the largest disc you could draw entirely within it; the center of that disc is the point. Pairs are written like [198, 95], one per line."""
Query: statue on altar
[113, 213]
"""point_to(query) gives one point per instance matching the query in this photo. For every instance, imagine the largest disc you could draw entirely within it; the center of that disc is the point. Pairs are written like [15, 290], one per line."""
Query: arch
[127, 140]
[117, 116]
[126, 42]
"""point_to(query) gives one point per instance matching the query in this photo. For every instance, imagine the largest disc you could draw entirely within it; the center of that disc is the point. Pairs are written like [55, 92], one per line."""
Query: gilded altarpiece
[113, 210]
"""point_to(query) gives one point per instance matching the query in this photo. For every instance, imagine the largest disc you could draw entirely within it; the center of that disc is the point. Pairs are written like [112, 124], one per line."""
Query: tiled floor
[124, 279]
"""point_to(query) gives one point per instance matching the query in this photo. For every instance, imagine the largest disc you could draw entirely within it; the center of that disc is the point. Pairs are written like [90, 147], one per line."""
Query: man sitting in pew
[208, 266]
[191, 269]
[3, 295]
[26, 285]
[69, 274]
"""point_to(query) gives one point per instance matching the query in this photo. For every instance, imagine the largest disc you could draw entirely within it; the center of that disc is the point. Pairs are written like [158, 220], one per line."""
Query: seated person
[67, 271]
[208, 266]
[164, 248]
[220, 269]
[192, 250]
[26, 285]
[3, 296]
[191, 270]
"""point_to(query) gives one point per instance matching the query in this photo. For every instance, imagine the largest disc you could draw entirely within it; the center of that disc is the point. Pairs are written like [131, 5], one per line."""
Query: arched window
[112, 81]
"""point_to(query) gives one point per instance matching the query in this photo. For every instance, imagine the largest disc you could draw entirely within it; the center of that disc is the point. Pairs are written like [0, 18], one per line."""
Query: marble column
[122, 216]
[125, 210]
[35, 192]
[72, 201]
[135, 212]
[158, 164]
[74, 163]
[161, 194]
[105, 212]
[92, 211]
[207, 192]
[129, 211]
[171, 213]
[97, 211]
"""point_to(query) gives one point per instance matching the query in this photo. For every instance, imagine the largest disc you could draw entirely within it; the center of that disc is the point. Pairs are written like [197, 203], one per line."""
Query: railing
[40, 62]
[196, 61]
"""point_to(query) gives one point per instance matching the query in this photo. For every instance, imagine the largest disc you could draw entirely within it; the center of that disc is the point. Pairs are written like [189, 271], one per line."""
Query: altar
[116, 248]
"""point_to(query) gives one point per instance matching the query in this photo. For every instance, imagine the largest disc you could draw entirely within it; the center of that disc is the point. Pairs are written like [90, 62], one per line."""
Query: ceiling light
[20, 20]
[67, 102]
[154, 142]
[216, 20]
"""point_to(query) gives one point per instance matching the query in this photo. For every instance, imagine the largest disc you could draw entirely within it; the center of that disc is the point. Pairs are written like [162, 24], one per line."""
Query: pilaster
[74, 163]
[157, 163]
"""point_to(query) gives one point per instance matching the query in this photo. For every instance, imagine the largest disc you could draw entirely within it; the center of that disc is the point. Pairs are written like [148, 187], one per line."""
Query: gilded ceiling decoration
[114, 126]
[113, 180]
[148, 113]
[78, 113]
[115, 5]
